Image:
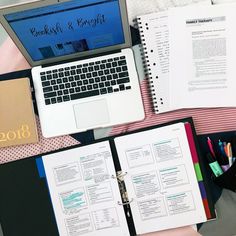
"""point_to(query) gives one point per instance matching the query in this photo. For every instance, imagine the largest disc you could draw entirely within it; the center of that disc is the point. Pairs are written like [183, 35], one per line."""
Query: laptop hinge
[82, 58]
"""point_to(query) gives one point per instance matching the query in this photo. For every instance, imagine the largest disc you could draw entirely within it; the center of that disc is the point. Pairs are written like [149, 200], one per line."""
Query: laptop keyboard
[85, 80]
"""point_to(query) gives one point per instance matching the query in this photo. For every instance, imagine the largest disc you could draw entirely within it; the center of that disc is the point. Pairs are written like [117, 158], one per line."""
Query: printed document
[202, 56]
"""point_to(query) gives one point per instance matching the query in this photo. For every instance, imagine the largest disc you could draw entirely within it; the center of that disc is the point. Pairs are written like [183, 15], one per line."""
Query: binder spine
[146, 61]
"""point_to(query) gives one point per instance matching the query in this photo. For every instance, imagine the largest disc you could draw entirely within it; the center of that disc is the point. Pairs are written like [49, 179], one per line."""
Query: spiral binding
[145, 59]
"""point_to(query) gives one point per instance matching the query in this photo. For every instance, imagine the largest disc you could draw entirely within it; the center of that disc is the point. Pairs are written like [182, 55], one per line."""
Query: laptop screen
[67, 28]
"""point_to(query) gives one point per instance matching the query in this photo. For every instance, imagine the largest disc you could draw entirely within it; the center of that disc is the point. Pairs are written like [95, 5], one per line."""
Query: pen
[225, 148]
[230, 155]
[233, 147]
[221, 146]
[210, 145]
[214, 165]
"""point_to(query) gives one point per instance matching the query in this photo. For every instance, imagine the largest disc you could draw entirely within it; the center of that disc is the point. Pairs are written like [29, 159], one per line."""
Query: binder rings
[120, 184]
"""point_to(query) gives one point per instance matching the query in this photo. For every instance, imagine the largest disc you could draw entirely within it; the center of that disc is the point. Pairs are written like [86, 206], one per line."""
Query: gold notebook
[17, 118]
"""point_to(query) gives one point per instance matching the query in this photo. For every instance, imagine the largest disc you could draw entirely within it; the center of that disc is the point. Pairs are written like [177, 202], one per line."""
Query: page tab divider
[40, 167]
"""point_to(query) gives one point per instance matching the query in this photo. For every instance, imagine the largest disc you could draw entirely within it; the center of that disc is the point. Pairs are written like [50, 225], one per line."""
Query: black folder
[25, 204]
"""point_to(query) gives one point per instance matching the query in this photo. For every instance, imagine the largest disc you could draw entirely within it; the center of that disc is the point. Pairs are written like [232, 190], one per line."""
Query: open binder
[133, 183]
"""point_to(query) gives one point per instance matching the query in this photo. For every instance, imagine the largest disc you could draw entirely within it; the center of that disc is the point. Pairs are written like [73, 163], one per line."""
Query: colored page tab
[202, 189]
[198, 172]
[40, 167]
[207, 209]
[191, 142]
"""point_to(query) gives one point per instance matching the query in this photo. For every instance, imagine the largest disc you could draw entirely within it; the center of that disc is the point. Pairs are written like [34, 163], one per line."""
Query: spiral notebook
[188, 56]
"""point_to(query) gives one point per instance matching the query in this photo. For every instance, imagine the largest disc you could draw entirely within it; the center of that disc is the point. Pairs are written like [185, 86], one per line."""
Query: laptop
[84, 72]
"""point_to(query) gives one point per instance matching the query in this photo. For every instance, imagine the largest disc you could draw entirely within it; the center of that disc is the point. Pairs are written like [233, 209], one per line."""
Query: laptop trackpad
[91, 114]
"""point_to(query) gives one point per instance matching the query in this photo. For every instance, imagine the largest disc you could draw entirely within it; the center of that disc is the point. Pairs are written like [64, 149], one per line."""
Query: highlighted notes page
[83, 193]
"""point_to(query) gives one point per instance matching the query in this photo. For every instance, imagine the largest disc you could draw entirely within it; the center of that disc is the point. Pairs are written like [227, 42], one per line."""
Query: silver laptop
[83, 72]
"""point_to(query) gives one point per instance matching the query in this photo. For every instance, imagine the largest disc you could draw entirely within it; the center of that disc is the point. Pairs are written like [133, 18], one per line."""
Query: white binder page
[202, 56]
[83, 193]
[161, 182]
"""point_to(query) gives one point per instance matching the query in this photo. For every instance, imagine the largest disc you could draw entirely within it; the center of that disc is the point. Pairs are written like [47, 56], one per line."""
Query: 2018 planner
[130, 184]
[17, 118]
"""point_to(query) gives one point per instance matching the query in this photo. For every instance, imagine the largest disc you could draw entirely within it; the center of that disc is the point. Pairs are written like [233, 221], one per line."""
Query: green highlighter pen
[214, 165]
